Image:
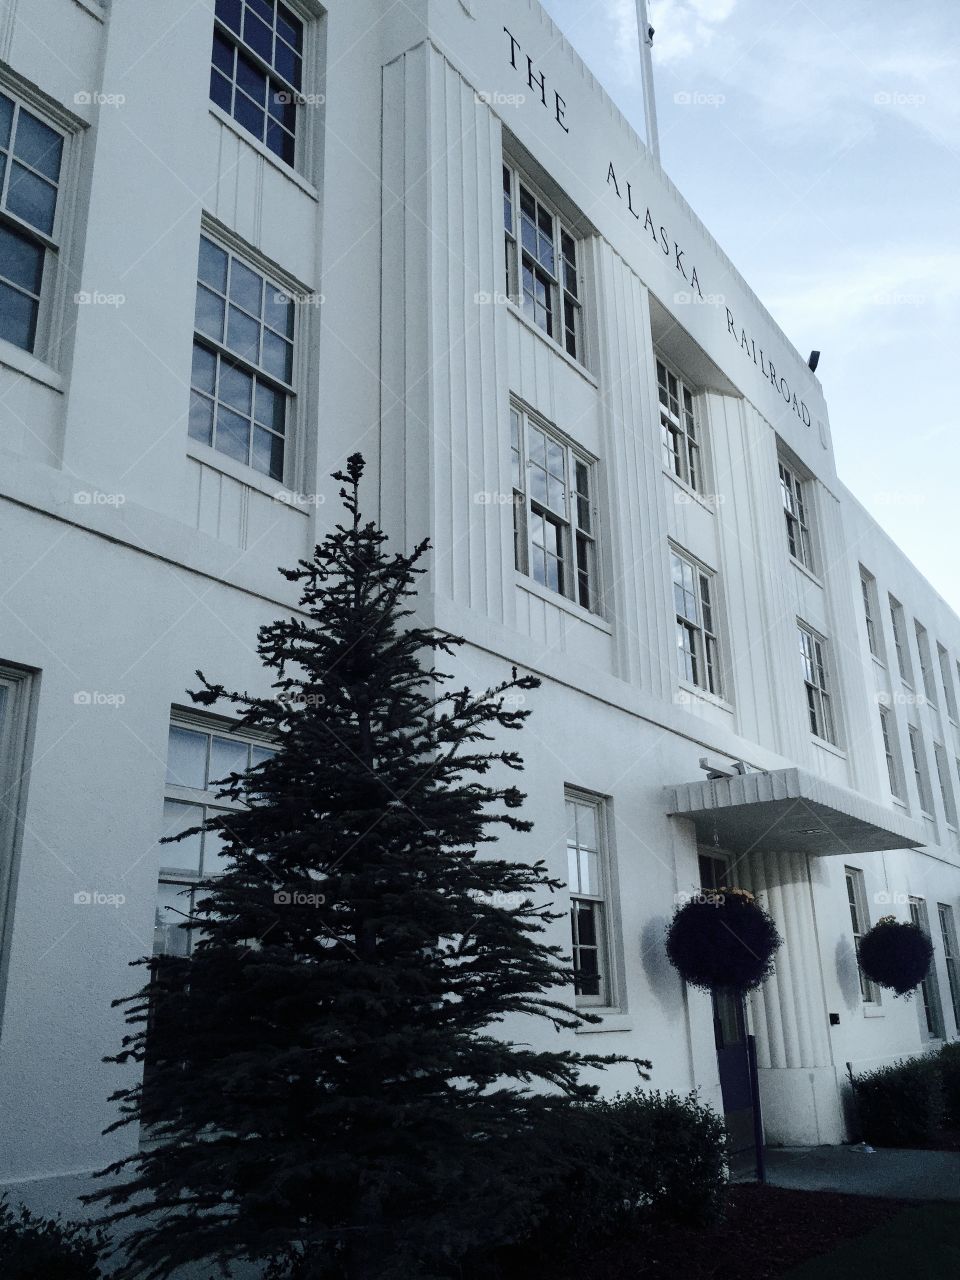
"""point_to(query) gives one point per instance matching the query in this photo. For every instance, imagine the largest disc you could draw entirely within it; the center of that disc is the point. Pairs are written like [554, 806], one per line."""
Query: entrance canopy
[789, 811]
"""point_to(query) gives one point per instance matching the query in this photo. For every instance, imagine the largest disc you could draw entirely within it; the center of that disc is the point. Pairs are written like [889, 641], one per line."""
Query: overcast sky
[821, 147]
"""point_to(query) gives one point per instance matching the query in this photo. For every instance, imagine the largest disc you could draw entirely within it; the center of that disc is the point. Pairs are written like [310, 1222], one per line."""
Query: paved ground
[907, 1175]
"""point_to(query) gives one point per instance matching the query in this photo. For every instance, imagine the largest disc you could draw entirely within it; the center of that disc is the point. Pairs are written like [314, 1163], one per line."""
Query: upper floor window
[543, 264]
[698, 644]
[926, 663]
[554, 513]
[868, 590]
[931, 1012]
[678, 428]
[793, 492]
[588, 871]
[946, 675]
[31, 158]
[919, 761]
[860, 924]
[242, 381]
[257, 71]
[900, 640]
[951, 954]
[946, 785]
[887, 729]
[817, 683]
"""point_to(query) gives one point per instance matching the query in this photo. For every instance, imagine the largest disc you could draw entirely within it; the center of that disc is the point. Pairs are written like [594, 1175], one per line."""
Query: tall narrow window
[946, 785]
[698, 646]
[868, 588]
[860, 924]
[543, 263]
[590, 908]
[887, 729]
[931, 1011]
[14, 707]
[794, 496]
[900, 640]
[918, 759]
[948, 931]
[926, 663]
[555, 520]
[257, 70]
[31, 156]
[946, 676]
[242, 380]
[816, 683]
[678, 428]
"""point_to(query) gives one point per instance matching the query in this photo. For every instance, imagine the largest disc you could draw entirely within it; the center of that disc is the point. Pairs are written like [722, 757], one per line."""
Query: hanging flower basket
[896, 955]
[723, 939]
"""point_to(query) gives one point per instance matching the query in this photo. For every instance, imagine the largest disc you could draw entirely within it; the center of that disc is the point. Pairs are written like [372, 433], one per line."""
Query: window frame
[891, 753]
[856, 887]
[946, 679]
[821, 706]
[310, 16]
[564, 302]
[682, 454]
[868, 591]
[946, 785]
[921, 770]
[951, 953]
[926, 663]
[578, 542]
[897, 624]
[706, 649]
[930, 1005]
[603, 903]
[17, 722]
[794, 497]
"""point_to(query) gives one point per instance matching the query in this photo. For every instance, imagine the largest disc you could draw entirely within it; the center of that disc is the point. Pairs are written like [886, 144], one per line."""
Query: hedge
[901, 1105]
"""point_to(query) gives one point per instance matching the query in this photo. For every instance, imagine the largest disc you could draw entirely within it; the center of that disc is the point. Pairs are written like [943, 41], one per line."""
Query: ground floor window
[14, 708]
[860, 924]
[590, 905]
[948, 932]
[931, 1013]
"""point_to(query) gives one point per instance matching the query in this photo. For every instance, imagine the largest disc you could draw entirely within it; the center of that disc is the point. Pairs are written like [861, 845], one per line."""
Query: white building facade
[238, 245]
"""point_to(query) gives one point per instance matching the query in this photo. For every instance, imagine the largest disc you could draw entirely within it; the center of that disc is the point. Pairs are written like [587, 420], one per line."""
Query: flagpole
[645, 34]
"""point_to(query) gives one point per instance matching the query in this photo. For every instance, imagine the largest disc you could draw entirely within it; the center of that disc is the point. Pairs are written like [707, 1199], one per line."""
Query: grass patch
[921, 1242]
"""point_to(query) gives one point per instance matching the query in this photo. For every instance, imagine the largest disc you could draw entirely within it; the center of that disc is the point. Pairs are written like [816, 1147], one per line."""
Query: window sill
[873, 1011]
[807, 572]
[12, 357]
[553, 345]
[692, 494]
[562, 602]
[216, 461]
[281, 166]
[901, 804]
[879, 662]
[613, 1020]
[828, 746]
[94, 8]
[704, 695]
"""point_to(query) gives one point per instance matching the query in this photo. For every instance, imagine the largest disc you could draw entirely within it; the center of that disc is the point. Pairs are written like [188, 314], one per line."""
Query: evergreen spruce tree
[327, 1087]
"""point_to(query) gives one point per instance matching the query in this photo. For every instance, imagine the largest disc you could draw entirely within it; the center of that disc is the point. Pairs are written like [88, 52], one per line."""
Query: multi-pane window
[197, 760]
[900, 640]
[948, 931]
[242, 382]
[946, 676]
[946, 786]
[860, 924]
[14, 704]
[543, 264]
[590, 908]
[31, 155]
[868, 591]
[257, 70]
[698, 646]
[926, 664]
[918, 759]
[679, 436]
[555, 519]
[817, 684]
[930, 1009]
[794, 497]
[887, 729]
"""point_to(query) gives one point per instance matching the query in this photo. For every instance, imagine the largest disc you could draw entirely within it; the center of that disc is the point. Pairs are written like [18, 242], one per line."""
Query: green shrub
[902, 1105]
[35, 1248]
[949, 1062]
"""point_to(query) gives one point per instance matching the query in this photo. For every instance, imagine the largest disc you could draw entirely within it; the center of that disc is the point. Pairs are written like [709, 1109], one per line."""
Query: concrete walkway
[906, 1175]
